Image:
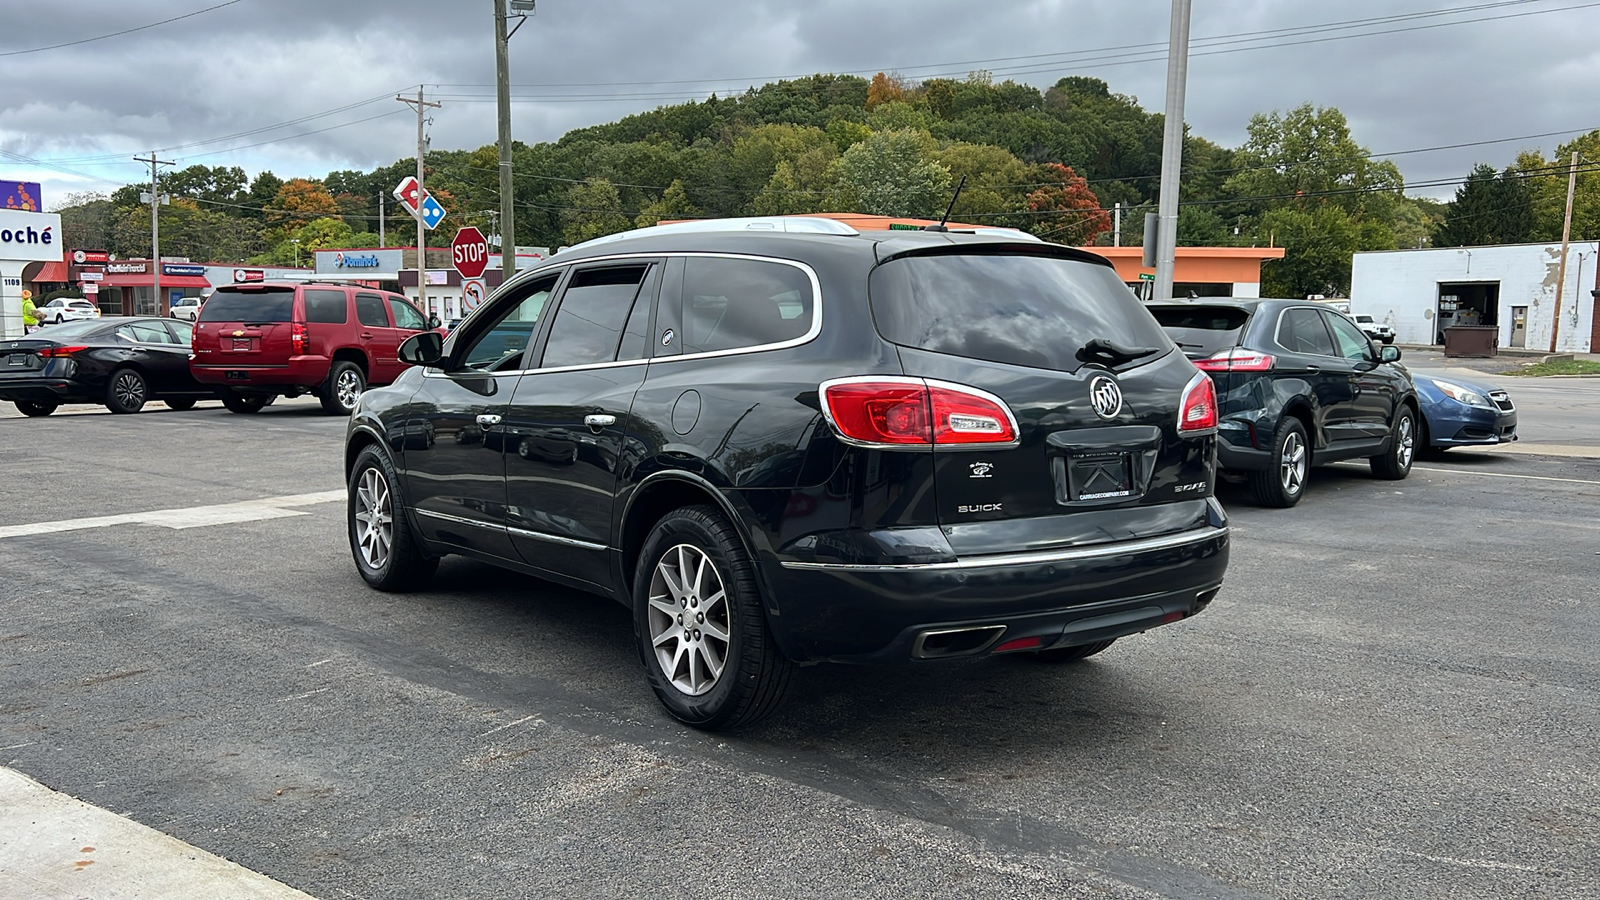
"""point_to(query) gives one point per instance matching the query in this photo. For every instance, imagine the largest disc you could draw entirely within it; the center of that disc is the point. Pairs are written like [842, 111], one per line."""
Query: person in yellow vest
[30, 320]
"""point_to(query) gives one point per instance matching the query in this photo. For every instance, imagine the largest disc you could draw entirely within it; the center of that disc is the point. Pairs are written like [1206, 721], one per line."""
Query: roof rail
[788, 224]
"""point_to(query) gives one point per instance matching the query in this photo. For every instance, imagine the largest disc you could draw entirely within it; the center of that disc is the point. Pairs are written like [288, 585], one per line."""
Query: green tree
[594, 209]
[1546, 180]
[1488, 208]
[673, 204]
[327, 233]
[996, 187]
[86, 221]
[895, 174]
[1308, 152]
[1319, 243]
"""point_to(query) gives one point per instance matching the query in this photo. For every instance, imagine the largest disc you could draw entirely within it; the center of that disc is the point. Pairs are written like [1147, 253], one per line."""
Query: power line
[121, 33]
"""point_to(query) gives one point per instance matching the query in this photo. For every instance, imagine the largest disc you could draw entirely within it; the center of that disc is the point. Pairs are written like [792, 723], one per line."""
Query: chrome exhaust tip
[943, 643]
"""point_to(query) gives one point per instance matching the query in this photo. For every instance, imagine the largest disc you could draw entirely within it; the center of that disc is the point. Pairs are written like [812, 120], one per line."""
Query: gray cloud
[261, 62]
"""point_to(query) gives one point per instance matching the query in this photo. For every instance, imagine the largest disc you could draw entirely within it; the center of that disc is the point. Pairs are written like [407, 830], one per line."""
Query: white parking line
[1505, 475]
[187, 517]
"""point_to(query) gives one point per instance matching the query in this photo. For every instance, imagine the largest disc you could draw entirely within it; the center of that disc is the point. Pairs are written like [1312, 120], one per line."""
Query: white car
[187, 308]
[62, 309]
[1375, 329]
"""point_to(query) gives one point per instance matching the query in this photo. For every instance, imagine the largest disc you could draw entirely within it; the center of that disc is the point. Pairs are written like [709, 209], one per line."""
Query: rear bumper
[1236, 448]
[43, 390]
[1076, 595]
[300, 372]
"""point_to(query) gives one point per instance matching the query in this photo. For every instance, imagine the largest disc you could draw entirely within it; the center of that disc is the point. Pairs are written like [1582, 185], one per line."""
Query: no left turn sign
[473, 290]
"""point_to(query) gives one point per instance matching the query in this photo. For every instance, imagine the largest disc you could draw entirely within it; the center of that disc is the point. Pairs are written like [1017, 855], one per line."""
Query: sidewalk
[53, 847]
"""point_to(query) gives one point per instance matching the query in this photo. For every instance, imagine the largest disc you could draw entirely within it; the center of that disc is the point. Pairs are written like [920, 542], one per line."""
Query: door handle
[366, 334]
[488, 422]
[599, 421]
[1315, 370]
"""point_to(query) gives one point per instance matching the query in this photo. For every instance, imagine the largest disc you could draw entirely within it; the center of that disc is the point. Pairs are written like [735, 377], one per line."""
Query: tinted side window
[1302, 331]
[1352, 343]
[370, 311]
[1025, 310]
[327, 307]
[509, 331]
[183, 330]
[406, 315]
[635, 337]
[594, 310]
[733, 303]
[145, 333]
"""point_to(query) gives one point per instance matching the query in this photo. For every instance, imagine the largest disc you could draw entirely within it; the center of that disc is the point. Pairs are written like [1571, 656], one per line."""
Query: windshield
[1365, 320]
[270, 305]
[1202, 330]
[1035, 311]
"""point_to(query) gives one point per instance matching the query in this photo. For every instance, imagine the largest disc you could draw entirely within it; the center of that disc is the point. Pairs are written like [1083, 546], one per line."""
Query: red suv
[258, 341]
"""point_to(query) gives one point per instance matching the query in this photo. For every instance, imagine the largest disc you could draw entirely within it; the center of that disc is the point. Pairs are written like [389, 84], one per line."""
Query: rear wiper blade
[1109, 353]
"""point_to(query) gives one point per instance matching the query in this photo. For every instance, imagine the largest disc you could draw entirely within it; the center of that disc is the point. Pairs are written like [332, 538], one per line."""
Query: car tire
[245, 403]
[1283, 483]
[675, 629]
[127, 391]
[30, 408]
[1395, 463]
[388, 556]
[346, 382]
[60, 318]
[1073, 654]
[180, 405]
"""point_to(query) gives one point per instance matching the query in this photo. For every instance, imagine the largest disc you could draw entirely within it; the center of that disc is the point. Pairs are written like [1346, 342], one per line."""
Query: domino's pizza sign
[355, 260]
[30, 236]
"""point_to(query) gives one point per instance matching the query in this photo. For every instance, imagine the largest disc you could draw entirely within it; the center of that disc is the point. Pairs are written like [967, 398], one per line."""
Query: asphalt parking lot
[1394, 696]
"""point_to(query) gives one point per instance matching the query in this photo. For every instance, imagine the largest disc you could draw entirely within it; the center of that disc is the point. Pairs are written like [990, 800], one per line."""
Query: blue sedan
[1459, 412]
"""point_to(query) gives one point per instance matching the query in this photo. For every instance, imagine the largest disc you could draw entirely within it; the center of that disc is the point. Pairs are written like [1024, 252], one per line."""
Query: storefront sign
[91, 276]
[90, 256]
[358, 263]
[30, 236]
[243, 275]
[170, 269]
[355, 260]
[90, 288]
[126, 268]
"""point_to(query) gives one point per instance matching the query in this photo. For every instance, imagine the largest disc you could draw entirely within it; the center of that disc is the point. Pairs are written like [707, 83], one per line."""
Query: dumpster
[1471, 340]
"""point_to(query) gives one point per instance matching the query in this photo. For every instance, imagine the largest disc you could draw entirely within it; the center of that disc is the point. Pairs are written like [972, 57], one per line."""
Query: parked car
[1458, 412]
[1299, 385]
[261, 340]
[186, 308]
[1374, 329]
[66, 309]
[122, 363]
[999, 452]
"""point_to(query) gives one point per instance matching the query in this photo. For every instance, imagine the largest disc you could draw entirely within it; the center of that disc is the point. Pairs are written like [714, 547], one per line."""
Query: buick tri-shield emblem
[1105, 396]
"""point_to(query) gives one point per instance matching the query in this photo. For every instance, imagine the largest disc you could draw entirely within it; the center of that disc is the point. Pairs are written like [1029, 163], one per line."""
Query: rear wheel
[180, 405]
[245, 403]
[345, 385]
[703, 636]
[388, 556]
[1395, 463]
[127, 391]
[29, 408]
[1283, 483]
[1073, 654]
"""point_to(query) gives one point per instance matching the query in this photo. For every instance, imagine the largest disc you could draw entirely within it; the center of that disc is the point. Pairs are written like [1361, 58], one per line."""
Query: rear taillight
[1197, 412]
[297, 338]
[1237, 359]
[892, 411]
[60, 352]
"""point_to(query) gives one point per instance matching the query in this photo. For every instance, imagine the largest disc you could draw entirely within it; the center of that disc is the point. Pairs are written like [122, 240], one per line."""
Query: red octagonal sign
[470, 252]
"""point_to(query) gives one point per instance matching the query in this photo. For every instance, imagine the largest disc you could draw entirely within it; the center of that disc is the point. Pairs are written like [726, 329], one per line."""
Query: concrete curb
[59, 847]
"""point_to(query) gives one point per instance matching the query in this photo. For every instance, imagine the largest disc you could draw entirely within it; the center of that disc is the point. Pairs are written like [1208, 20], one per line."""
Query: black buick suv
[781, 441]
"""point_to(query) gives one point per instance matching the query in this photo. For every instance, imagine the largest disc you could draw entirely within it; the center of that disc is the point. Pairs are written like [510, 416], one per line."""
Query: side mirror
[1389, 353]
[433, 322]
[425, 348]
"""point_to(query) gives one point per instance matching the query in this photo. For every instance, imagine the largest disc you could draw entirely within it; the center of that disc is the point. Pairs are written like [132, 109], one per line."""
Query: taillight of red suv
[298, 340]
[900, 412]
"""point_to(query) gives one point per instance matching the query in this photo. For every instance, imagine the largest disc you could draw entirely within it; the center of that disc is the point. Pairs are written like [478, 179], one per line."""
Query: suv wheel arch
[659, 494]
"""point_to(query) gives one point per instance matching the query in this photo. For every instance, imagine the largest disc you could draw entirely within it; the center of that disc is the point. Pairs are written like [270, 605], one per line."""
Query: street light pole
[155, 228]
[1172, 150]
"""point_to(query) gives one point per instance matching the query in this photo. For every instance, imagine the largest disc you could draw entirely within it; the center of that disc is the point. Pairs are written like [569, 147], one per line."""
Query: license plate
[238, 376]
[241, 343]
[16, 359]
[1099, 476]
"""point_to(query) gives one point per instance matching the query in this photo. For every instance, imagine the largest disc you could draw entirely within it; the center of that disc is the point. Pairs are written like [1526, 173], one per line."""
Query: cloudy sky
[303, 87]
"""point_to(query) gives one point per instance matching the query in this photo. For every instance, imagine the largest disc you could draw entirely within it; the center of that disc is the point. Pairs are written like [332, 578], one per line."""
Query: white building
[1511, 287]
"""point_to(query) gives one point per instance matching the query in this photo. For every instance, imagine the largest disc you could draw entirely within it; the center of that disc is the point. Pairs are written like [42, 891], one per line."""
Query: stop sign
[470, 252]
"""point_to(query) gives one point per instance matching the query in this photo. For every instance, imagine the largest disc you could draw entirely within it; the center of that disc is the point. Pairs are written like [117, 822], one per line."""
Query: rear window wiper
[1108, 353]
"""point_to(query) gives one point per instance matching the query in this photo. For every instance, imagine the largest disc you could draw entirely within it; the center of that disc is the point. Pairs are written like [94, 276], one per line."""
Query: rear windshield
[270, 305]
[1008, 308]
[1202, 330]
[76, 329]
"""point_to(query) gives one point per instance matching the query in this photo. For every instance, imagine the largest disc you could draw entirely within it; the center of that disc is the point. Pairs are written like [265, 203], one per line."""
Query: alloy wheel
[129, 388]
[1292, 464]
[689, 619]
[374, 519]
[1408, 442]
[348, 388]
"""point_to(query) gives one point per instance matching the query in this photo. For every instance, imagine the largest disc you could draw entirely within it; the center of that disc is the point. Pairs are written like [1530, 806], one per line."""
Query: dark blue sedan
[1460, 412]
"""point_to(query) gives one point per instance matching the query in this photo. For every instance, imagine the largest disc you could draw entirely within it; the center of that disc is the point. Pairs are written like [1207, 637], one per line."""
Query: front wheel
[703, 636]
[245, 403]
[1395, 463]
[345, 384]
[1283, 483]
[29, 408]
[127, 391]
[387, 554]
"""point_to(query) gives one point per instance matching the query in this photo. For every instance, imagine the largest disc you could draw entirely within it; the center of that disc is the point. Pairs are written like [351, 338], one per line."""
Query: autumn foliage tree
[298, 202]
[1064, 208]
[885, 89]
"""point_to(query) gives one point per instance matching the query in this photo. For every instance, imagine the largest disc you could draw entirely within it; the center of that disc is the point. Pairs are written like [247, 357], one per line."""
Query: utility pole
[1172, 150]
[1116, 225]
[155, 227]
[502, 65]
[1566, 239]
[381, 240]
[422, 229]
